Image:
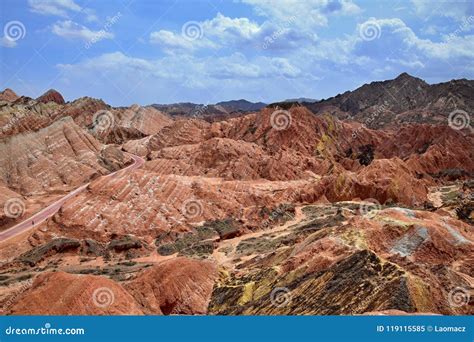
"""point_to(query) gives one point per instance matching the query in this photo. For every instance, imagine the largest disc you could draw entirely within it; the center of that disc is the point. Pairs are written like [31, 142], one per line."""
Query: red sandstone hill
[8, 95]
[177, 286]
[51, 96]
[109, 125]
[346, 219]
[50, 161]
[67, 294]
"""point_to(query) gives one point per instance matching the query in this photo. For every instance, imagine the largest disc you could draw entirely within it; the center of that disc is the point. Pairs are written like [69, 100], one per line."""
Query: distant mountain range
[212, 112]
[377, 104]
[403, 99]
[241, 105]
[301, 100]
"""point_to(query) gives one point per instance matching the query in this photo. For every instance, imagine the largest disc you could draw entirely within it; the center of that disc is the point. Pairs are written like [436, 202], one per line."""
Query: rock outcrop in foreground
[276, 212]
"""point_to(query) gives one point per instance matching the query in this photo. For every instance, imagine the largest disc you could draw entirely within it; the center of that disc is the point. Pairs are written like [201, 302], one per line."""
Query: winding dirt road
[52, 209]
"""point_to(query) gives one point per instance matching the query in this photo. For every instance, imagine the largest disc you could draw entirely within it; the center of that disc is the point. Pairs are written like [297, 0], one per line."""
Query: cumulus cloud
[285, 51]
[54, 7]
[168, 77]
[236, 65]
[213, 33]
[232, 29]
[457, 10]
[171, 40]
[110, 63]
[61, 8]
[8, 43]
[301, 66]
[222, 31]
[396, 38]
[308, 12]
[71, 30]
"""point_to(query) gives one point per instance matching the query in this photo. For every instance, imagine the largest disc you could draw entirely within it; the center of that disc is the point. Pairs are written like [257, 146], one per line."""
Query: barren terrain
[280, 210]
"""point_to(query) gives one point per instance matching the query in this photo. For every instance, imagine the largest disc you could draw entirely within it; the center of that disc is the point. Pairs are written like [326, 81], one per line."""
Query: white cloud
[398, 39]
[239, 33]
[90, 15]
[284, 50]
[108, 62]
[170, 40]
[234, 66]
[430, 30]
[411, 64]
[176, 67]
[183, 77]
[457, 10]
[308, 12]
[301, 56]
[61, 8]
[214, 33]
[71, 30]
[8, 43]
[181, 72]
[282, 66]
[54, 7]
[232, 29]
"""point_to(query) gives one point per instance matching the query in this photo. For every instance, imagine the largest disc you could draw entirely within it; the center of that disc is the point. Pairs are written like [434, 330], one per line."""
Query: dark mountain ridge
[403, 99]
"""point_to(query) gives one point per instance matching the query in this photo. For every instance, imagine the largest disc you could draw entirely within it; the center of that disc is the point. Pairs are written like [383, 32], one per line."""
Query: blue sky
[167, 51]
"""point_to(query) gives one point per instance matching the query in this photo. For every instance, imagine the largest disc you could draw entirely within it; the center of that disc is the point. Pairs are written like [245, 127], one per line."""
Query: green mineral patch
[421, 294]
[59, 245]
[355, 238]
[124, 243]
[264, 244]
[394, 222]
[200, 243]
[226, 229]
[120, 271]
[247, 293]
[237, 291]
[360, 283]
[273, 258]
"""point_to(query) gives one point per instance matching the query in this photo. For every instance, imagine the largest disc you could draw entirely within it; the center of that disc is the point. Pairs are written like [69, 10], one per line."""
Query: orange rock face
[177, 286]
[60, 154]
[8, 95]
[67, 294]
[279, 211]
[51, 96]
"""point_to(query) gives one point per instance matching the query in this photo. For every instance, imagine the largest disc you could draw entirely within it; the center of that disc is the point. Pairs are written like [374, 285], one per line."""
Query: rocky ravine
[255, 214]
